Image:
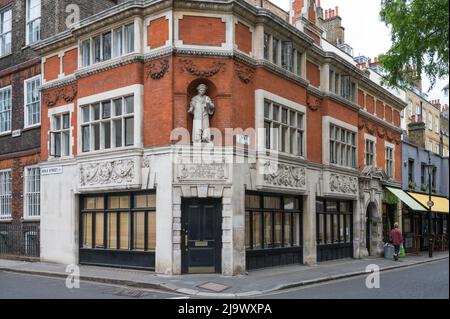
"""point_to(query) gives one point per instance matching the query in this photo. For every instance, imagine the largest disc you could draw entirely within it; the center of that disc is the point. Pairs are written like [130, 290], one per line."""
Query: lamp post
[430, 203]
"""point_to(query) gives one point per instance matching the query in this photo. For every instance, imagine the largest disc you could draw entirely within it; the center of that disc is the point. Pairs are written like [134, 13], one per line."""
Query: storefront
[118, 229]
[334, 222]
[273, 230]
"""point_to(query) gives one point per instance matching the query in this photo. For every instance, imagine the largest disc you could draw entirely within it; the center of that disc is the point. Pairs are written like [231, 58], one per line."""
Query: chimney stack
[318, 3]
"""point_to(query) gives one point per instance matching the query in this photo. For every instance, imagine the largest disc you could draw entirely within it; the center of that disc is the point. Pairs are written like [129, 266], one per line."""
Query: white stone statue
[201, 108]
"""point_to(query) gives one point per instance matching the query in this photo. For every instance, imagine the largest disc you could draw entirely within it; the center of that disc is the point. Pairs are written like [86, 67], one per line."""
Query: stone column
[258, 40]
[325, 77]
[309, 222]
[358, 219]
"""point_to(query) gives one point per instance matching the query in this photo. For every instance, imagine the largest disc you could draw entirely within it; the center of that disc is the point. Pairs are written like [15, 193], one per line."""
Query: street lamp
[430, 204]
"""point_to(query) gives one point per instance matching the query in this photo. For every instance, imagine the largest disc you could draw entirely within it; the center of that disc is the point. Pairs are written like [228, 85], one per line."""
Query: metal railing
[20, 240]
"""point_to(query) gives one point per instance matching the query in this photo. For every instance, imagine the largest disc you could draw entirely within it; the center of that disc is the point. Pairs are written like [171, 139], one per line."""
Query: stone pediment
[374, 173]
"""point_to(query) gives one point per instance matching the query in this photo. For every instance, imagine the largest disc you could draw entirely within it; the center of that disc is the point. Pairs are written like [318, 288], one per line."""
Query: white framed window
[107, 45]
[342, 146]
[389, 161]
[5, 109]
[287, 56]
[33, 30]
[32, 97]
[369, 152]
[32, 192]
[437, 148]
[417, 110]
[342, 85]
[5, 194]
[430, 121]
[430, 146]
[60, 135]
[284, 128]
[107, 124]
[5, 32]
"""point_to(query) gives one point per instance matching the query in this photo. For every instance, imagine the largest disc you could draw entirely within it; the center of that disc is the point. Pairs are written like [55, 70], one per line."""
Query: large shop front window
[342, 147]
[272, 221]
[119, 222]
[32, 192]
[108, 124]
[5, 110]
[5, 194]
[284, 129]
[334, 222]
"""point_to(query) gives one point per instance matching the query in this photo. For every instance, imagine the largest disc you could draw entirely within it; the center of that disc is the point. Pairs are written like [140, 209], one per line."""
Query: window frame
[278, 126]
[371, 140]
[390, 161]
[5, 196]
[4, 34]
[54, 131]
[336, 144]
[28, 22]
[345, 239]
[101, 34]
[113, 117]
[131, 212]
[26, 104]
[2, 92]
[26, 192]
[271, 213]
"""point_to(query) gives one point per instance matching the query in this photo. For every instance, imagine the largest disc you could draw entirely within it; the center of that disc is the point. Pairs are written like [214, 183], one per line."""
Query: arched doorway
[370, 216]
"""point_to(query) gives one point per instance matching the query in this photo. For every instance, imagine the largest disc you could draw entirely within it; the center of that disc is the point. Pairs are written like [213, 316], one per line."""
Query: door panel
[202, 245]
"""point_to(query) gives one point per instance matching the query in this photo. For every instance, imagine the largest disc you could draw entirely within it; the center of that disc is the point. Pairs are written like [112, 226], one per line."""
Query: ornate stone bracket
[244, 73]
[343, 184]
[105, 173]
[67, 94]
[313, 102]
[190, 67]
[381, 132]
[157, 70]
[285, 176]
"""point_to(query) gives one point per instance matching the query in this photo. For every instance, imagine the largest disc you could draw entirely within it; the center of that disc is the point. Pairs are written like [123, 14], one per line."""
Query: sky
[368, 35]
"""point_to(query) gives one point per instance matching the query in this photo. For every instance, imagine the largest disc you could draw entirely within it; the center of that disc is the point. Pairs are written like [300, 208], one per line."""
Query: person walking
[397, 240]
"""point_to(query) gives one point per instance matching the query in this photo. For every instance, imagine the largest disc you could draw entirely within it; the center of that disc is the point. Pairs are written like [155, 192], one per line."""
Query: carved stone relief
[202, 172]
[244, 73]
[156, 70]
[285, 176]
[343, 184]
[114, 172]
[189, 66]
[67, 94]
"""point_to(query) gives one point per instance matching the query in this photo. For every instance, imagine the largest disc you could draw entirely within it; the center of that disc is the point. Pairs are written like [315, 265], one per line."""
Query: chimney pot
[318, 3]
[337, 11]
[326, 14]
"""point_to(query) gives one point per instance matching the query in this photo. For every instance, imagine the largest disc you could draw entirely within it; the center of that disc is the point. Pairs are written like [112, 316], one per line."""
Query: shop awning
[405, 198]
[440, 203]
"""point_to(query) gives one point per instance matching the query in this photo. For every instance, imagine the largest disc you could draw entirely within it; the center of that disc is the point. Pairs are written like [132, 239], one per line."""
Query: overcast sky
[365, 32]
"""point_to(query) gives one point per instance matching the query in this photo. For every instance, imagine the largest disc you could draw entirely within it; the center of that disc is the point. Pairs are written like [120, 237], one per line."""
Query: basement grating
[212, 286]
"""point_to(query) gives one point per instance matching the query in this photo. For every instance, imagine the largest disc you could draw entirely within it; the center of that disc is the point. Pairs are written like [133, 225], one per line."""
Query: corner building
[116, 189]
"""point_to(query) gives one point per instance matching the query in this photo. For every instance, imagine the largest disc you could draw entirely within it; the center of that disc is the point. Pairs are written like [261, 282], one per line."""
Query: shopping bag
[402, 251]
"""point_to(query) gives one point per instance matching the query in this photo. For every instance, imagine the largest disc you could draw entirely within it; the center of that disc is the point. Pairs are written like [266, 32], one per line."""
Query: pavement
[256, 282]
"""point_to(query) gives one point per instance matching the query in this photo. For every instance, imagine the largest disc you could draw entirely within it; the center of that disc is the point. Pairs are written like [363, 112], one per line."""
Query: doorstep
[256, 282]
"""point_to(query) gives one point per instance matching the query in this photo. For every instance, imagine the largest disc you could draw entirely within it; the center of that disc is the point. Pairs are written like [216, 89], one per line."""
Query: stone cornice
[336, 98]
[379, 121]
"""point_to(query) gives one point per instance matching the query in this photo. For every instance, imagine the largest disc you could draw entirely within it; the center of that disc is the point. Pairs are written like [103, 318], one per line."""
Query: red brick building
[301, 182]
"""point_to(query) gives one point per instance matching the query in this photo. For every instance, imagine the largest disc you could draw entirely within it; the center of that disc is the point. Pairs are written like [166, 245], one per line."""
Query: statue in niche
[201, 108]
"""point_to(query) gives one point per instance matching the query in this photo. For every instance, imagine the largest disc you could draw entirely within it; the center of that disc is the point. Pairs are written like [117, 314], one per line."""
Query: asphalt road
[24, 286]
[424, 281]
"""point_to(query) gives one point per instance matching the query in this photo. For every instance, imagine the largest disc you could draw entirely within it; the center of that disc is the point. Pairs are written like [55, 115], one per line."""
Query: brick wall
[202, 31]
[158, 32]
[243, 38]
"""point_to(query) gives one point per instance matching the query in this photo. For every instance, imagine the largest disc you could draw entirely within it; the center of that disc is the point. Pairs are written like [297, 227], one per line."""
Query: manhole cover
[214, 287]
[125, 292]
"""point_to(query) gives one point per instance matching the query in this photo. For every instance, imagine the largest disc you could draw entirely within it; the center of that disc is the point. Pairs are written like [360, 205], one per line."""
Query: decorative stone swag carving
[109, 172]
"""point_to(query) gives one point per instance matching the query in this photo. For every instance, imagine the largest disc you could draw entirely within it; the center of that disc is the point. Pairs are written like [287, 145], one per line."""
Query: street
[424, 281]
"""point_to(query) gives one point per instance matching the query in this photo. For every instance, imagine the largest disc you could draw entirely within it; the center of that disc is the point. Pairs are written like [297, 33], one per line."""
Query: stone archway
[373, 233]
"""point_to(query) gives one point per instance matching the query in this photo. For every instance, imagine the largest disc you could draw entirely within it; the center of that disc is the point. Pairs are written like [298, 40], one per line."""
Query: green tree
[420, 43]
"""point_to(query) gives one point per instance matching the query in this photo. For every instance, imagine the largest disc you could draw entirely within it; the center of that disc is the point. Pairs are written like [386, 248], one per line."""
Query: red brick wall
[52, 68]
[313, 73]
[112, 79]
[361, 98]
[312, 12]
[388, 113]
[243, 38]
[370, 104]
[314, 36]
[297, 7]
[380, 109]
[202, 31]
[70, 62]
[396, 118]
[158, 32]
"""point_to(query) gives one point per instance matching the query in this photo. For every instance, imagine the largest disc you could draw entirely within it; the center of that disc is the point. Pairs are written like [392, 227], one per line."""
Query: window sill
[5, 133]
[31, 219]
[106, 151]
[28, 128]
[8, 220]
